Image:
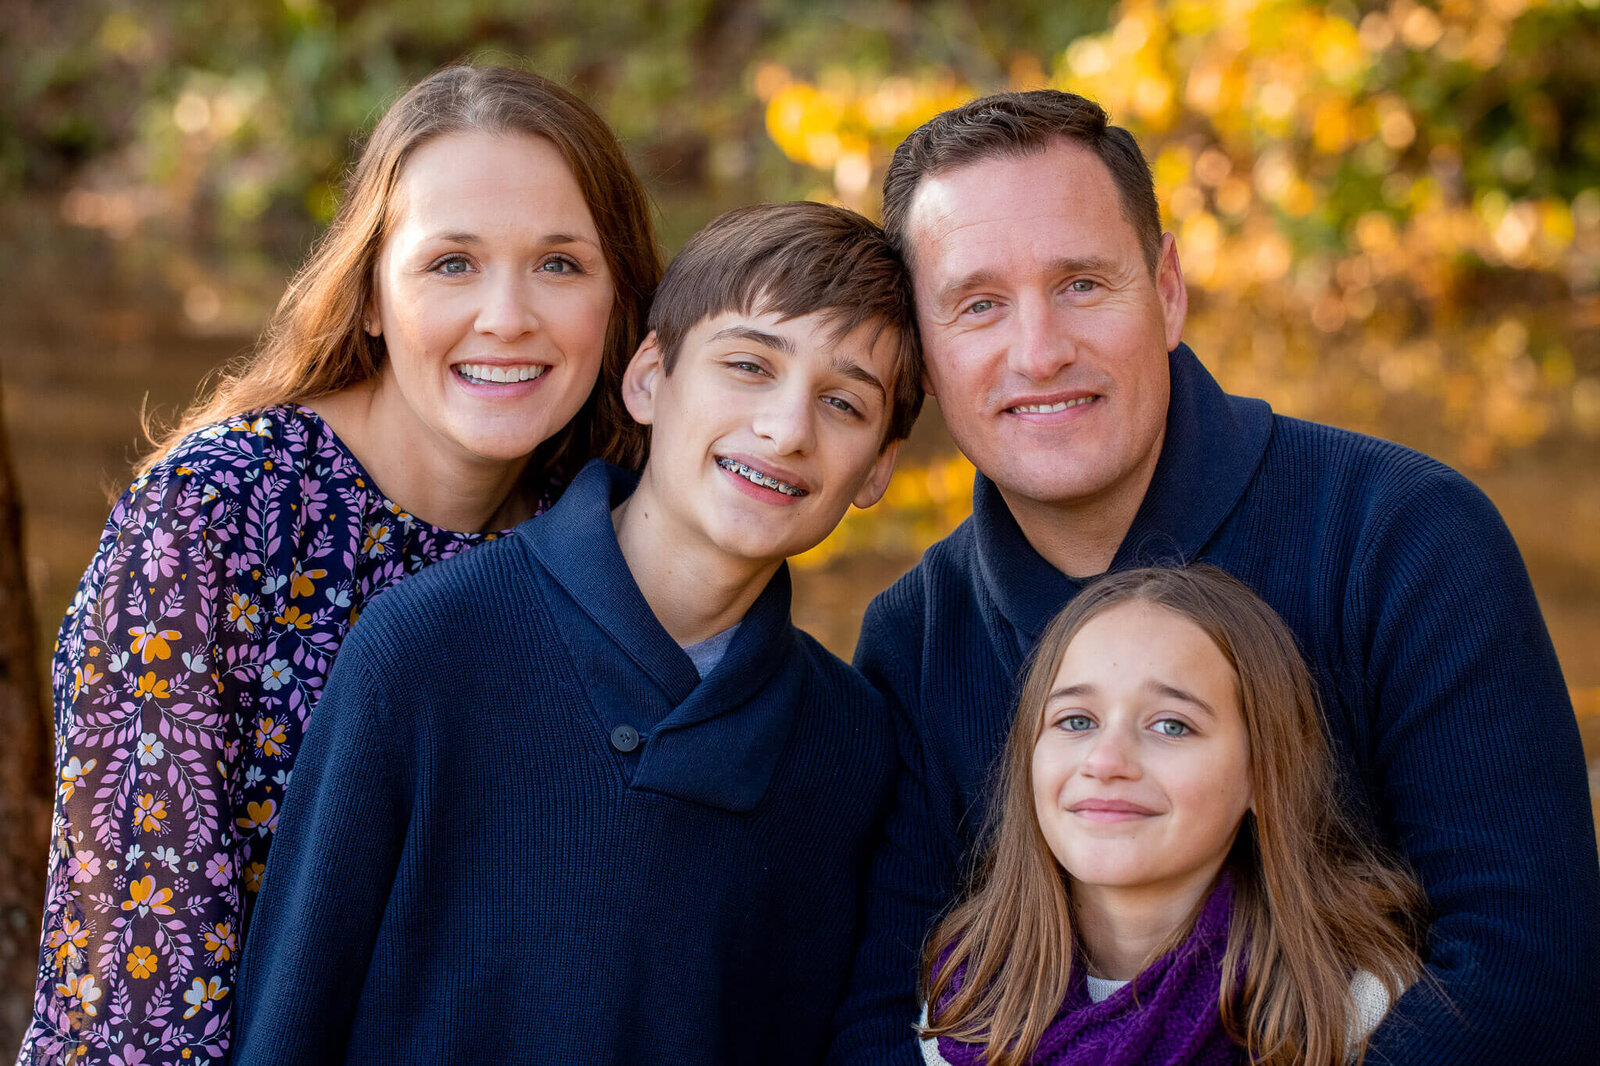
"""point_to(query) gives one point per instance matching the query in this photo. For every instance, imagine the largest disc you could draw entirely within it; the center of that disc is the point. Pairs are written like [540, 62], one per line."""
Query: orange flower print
[243, 612]
[72, 776]
[141, 962]
[252, 876]
[69, 940]
[261, 817]
[150, 685]
[377, 540]
[220, 942]
[295, 618]
[270, 736]
[85, 989]
[300, 583]
[149, 812]
[144, 897]
[201, 994]
[84, 676]
[151, 644]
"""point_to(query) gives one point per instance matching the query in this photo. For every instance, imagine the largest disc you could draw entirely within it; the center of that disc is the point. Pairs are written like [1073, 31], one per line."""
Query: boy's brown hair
[796, 259]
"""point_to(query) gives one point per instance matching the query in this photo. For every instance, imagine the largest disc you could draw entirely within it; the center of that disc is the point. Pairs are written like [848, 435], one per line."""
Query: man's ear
[1171, 289]
[639, 380]
[877, 482]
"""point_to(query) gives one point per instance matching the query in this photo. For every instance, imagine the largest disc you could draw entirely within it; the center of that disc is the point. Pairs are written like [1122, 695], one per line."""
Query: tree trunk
[25, 776]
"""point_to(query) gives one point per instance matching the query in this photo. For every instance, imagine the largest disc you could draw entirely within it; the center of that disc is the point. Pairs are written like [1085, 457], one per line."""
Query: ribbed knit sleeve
[1473, 746]
[328, 881]
[918, 863]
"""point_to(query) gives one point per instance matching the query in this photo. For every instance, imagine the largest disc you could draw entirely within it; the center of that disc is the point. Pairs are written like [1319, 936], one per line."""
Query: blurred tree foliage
[1388, 212]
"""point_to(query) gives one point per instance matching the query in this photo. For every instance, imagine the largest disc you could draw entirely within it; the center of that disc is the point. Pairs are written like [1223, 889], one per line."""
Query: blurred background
[1388, 215]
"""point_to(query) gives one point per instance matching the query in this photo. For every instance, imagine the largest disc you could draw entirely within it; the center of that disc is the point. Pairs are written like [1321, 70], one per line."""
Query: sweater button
[624, 738]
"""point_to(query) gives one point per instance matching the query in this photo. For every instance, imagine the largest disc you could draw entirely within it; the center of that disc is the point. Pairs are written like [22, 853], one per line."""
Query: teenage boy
[584, 794]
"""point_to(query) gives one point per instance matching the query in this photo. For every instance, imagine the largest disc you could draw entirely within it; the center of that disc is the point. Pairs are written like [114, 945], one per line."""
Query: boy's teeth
[1049, 408]
[478, 373]
[756, 477]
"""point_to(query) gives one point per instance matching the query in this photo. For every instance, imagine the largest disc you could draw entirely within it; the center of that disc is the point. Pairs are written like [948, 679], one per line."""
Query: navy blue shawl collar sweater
[1445, 707]
[478, 862]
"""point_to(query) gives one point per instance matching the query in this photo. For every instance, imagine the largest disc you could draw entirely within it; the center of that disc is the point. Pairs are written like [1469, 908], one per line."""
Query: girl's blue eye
[1076, 723]
[1171, 727]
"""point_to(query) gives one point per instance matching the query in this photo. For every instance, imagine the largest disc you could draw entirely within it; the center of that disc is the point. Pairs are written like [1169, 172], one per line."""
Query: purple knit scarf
[1174, 1023]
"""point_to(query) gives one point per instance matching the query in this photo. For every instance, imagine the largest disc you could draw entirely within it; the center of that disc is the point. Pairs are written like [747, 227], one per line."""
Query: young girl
[1168, 821]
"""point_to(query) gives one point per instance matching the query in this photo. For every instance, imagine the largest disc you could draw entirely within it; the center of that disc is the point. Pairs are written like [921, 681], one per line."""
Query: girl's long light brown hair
[1312, 904]
[314, 343]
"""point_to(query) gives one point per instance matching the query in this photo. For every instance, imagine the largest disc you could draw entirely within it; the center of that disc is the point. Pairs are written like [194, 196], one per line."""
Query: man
[1051, 308]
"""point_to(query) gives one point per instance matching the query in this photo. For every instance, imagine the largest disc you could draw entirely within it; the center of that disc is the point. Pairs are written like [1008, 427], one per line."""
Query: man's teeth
[1050, 408]
[478, 373]
[756, 477]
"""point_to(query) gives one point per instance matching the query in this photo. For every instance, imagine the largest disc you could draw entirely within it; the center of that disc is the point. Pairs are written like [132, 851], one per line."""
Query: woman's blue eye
[454, 264]
[558, 266]
[1171, 727]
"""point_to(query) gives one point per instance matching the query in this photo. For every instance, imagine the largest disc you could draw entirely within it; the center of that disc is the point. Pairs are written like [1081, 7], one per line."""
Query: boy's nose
[786, 420]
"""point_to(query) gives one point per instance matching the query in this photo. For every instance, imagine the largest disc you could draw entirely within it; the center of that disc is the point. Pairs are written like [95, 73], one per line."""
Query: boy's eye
[747, 366]
[839, 403]
[1171, 727]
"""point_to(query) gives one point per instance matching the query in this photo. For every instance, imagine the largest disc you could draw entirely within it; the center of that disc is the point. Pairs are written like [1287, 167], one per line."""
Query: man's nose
[1040, 345]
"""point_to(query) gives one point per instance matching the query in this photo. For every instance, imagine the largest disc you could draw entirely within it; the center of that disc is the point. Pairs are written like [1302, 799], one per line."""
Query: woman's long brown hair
[314, 343]
[1312, 903]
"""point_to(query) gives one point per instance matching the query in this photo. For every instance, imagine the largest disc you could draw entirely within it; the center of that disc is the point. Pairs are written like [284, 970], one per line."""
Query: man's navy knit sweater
[1444, 702]
[523, 829]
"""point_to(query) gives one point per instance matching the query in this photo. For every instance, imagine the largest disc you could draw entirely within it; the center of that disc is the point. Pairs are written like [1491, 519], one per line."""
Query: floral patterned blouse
[186, 668]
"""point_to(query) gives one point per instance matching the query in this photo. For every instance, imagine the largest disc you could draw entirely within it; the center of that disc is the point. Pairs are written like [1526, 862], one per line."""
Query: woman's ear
[640, 378]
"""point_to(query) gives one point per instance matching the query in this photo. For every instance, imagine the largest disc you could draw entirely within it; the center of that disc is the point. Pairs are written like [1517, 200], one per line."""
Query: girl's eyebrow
[1173, 692]
[1082, 688]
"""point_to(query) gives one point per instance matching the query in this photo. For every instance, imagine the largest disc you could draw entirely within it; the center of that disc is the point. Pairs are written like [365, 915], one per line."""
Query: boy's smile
[764, 432]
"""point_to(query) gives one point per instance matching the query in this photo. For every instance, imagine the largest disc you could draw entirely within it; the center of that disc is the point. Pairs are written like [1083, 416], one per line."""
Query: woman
[429, 376]
[1170, 879]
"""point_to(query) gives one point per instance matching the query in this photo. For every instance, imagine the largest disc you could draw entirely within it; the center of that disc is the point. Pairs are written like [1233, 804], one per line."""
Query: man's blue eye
[978, 307]
[1082, 285]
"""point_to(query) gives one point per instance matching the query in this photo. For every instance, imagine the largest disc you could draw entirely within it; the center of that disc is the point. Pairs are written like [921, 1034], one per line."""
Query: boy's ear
[639, 380]
[877, 482]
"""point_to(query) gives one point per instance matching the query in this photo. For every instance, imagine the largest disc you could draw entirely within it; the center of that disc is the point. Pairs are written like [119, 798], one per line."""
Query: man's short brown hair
[1012, 125]
[792, 260]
